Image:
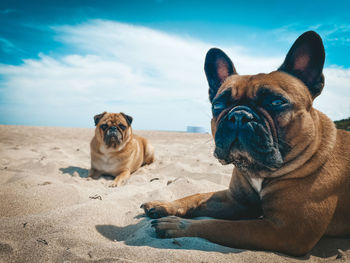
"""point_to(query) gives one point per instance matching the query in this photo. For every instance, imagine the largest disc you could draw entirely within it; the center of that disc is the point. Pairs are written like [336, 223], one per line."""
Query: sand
[50, 211]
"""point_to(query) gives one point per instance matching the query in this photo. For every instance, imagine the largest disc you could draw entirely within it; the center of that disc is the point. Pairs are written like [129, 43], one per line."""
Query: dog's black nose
[240, 115]
[113, 128]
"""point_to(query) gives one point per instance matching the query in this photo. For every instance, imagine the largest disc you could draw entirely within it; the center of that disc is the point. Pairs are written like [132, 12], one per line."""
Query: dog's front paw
[94, 174]
[172, 226]
[157, 209]
[120, 179]
[117, 183]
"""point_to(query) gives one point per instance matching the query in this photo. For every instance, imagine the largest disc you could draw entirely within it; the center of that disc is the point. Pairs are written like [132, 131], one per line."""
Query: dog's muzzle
[241, 115]
[243, 129]
[113, 136]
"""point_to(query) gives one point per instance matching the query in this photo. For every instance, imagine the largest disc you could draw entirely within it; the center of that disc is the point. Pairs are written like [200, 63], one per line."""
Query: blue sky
[61, 62]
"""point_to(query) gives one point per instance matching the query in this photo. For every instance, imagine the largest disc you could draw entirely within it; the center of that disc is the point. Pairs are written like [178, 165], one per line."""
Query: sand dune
[50, 211]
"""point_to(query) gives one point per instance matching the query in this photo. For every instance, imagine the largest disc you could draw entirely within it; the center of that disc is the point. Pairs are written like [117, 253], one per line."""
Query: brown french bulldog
[291, 181]
[115, 150]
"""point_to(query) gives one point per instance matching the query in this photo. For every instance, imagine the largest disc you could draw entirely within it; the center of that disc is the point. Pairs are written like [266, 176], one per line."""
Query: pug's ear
[127, 118]
[218, 66]
[305, 61]
[98, 117]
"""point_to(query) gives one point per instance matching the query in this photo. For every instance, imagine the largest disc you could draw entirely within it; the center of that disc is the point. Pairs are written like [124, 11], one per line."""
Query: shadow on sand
[141, 234]
[328, 247]
[73, 170]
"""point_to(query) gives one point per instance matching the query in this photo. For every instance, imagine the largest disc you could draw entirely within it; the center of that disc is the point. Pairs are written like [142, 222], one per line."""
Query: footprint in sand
[5, 248]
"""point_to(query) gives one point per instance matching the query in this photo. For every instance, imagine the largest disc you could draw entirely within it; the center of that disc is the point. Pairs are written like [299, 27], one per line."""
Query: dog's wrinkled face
[113, 129]
[259, 121]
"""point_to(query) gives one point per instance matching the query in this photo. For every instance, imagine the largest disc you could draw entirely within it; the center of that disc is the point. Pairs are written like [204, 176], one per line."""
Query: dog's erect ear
[305, 61]
[98, 117]
[218, 66]
[127, 118]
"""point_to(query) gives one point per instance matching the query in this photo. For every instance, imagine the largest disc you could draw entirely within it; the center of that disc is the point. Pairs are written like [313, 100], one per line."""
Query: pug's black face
[113, 128]
[113, 133]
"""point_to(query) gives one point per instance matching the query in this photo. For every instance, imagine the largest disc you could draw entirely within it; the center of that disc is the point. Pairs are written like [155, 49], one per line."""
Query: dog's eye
[104, 126]
[219, 106]
[278, 102]
[122, 126]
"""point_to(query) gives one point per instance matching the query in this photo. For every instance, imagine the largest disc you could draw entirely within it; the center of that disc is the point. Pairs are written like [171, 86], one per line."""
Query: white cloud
[156, 77]
[335, 98]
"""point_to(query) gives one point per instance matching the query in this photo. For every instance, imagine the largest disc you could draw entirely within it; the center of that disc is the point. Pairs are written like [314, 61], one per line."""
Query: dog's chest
[256, 183]
[106, 162]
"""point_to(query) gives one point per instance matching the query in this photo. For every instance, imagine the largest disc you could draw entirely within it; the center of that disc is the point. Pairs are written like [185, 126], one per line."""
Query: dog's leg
[94, 174]
[121, 178]
[149, 153]
[240, 201]
[292, 229]
[258, 234]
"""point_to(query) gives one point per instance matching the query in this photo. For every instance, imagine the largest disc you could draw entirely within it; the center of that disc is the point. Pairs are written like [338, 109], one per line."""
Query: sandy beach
[51, 212]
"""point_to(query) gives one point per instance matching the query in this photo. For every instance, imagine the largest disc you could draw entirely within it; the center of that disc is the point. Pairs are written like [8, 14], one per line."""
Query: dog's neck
[315, 154]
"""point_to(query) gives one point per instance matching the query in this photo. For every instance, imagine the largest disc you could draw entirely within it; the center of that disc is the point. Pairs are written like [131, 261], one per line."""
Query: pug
[115, 150]
[291, 181]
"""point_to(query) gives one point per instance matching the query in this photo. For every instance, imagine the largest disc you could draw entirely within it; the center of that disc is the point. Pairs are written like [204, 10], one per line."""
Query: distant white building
[196, 129]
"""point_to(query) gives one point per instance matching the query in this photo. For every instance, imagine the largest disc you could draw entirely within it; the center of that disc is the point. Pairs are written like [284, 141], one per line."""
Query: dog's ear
[98, 117]
[305, 61]
[127, 118]
[218, 66]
